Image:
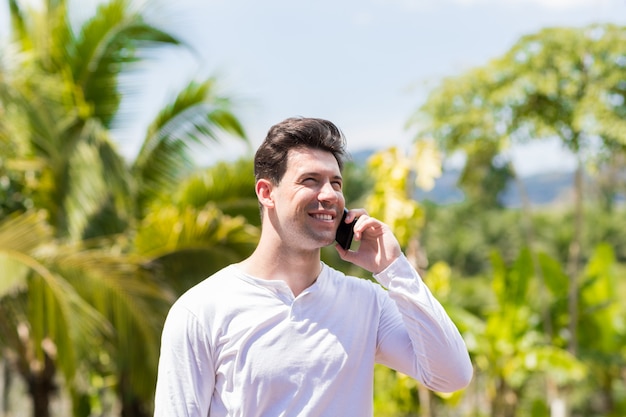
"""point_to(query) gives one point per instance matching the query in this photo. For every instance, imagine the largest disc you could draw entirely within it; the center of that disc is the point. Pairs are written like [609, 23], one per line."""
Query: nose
[328, 192]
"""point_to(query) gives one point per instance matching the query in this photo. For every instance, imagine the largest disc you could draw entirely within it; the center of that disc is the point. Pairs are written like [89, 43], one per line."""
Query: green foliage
[463, 235]
[395, 394]
[602, 333]
[484, 178]
[227, 185]
[114, 285]
[559, 82]
[527, 318]
[88, 274]
[196, 115]
[358, 183]
[511, 349]
[187, 244]
[13, 194]
[48, 315]
[106, 44]
[59, 97]
[390, 198]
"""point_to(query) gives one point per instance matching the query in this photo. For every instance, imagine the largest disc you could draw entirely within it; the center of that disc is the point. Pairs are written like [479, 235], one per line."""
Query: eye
[337, 185]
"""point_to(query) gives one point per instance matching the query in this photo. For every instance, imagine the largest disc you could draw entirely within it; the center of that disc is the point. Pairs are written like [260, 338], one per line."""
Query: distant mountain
[360, 157]
[541, 189]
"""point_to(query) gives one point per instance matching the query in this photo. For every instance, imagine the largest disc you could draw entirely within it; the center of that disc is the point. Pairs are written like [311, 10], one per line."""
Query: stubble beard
[314, 236]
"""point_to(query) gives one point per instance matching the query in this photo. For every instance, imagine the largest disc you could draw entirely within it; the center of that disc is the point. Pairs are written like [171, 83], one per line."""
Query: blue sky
[366, 65]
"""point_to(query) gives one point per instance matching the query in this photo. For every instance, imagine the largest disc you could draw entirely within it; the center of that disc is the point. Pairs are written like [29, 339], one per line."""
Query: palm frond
[106, 43]
[97, 185]
[184, 268]
[228, 185]
[12, 311]
[20, 235]
[54, 313]
[62, 322]
[38, 104]
[135, 307]
[186, 245]
[196, 115]
[86, 191]
[169, 229]
[24, 232]
[18, 24]
[209, 113]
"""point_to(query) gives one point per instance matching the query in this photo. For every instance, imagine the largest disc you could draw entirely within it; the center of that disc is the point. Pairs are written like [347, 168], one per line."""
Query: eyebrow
[318, 174]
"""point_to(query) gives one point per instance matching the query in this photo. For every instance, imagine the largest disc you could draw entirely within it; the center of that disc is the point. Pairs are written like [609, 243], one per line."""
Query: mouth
[325, 217]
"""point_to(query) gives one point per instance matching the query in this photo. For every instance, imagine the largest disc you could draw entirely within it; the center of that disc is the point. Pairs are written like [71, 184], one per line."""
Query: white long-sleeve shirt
[240, 346]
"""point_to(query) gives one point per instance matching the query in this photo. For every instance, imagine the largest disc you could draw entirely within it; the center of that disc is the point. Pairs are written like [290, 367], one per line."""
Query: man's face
[309, 199]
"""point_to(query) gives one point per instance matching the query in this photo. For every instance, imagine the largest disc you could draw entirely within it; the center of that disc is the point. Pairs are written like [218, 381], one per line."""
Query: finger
[355, 213]
[364, 224]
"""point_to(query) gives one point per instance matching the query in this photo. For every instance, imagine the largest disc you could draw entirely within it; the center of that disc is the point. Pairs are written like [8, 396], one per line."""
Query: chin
[320, 240]
[323, 242]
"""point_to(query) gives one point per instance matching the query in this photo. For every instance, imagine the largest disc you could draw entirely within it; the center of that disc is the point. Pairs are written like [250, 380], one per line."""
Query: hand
[378, 246]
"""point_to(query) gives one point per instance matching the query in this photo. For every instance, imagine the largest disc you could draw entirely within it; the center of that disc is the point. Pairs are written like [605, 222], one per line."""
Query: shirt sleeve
[416, 335]
[186, 373]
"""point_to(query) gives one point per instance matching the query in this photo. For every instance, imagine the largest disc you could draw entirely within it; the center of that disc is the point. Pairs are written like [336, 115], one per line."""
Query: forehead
[302, 160]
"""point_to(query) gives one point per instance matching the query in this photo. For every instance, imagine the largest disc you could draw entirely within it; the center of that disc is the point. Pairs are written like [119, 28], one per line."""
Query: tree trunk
[132, 405]
[573, 264]
[556, 400]
[505, 402]
[424, 396]
[529, 233]
[5, 387]
[134, 408]
[41, 386]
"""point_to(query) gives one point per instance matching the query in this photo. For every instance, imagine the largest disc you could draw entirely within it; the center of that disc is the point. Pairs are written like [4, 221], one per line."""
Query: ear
[263, 190]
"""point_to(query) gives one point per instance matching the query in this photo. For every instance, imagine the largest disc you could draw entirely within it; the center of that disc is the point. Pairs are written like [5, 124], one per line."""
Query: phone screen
[345, 231]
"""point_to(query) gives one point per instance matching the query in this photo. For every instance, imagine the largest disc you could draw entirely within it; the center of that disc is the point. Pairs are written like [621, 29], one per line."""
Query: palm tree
[63, 301]
[196, 115]
[59, 96]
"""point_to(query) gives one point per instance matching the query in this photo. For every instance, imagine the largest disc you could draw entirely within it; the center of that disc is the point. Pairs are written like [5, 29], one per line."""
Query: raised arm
[416, 335]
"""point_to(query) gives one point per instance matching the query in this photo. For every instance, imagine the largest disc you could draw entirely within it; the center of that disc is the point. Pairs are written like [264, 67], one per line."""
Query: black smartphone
[345, 231]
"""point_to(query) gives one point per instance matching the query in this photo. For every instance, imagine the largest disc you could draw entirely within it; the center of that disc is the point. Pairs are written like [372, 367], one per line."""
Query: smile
[325, 217]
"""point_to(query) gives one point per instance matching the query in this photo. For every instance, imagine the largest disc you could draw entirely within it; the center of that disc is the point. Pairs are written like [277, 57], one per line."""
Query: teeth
[323, 216]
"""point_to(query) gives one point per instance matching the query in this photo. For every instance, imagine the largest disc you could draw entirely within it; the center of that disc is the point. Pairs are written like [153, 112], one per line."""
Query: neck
[298, 268]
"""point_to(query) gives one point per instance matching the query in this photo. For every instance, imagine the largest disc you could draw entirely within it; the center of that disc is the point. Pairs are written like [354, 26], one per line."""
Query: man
[283, 334]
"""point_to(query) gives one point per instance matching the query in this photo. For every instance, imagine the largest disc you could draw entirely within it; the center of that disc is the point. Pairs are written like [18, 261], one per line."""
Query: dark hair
[270, 160]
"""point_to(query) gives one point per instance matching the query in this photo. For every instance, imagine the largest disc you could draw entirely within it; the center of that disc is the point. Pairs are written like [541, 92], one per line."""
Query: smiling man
[283, 334]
